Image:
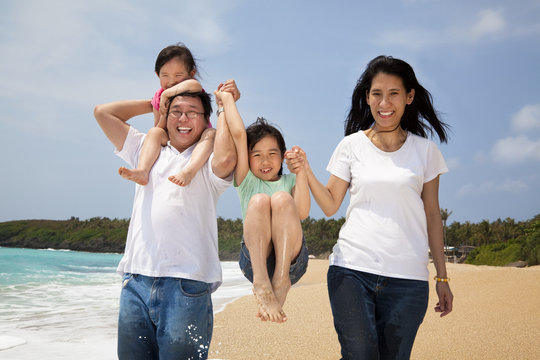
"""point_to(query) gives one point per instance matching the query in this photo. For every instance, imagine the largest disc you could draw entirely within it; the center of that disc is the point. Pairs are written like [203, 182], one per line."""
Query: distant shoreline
[498, 243]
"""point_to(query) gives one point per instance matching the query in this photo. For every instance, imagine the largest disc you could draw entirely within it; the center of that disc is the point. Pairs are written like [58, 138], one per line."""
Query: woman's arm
[329, 197]
[430, 197]
[112, 118]
[238, 133]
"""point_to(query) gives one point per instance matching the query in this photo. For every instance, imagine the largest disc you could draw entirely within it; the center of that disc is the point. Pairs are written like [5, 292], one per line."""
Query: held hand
[296, 159]
[221, 95]
[446, 299]
[217, 94]
[230, 87]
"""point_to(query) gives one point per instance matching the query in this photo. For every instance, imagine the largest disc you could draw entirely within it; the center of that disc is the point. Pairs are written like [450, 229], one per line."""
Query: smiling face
[265, 159]
[387, 99]
[173, 72]
[184, 132]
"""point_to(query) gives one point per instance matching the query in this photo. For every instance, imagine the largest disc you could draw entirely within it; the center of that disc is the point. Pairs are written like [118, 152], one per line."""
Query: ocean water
[64, 304]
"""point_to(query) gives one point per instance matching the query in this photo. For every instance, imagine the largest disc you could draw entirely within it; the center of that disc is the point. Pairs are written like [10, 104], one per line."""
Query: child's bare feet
[136, 175]
[281, 289]
[269, 308]
[183, 178]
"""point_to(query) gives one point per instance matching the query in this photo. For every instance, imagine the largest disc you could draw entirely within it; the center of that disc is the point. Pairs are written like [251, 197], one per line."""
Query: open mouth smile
[386, 113]
[183, 130]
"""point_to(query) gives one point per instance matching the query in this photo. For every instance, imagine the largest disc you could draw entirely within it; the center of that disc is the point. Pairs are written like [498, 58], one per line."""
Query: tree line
[496, 242]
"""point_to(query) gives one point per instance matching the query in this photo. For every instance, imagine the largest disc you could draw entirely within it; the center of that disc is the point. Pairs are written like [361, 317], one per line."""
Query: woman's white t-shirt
[385, 231]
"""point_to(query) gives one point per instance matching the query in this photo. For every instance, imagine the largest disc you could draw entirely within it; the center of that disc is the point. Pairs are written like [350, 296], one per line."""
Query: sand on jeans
[496, 316]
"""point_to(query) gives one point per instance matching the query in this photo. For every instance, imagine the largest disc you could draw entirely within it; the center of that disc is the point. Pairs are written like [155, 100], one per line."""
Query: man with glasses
[171, 264]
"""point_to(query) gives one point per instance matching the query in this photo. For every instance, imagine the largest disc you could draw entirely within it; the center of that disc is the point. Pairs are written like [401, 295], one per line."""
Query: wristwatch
[219, 111]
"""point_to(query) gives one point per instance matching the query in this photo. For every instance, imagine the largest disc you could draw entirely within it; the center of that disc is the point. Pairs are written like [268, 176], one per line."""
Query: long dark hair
[260, 129]
[420, 118]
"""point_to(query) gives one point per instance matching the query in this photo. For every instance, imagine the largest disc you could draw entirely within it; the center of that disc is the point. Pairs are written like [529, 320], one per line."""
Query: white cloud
[528, 118]
[488, 22]
[452, 163]
[516, 149]
[466, 190]
[70, 55]
[508, 186]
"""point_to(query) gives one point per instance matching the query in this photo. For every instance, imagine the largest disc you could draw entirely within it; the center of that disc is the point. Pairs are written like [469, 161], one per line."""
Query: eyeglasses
[189, 114]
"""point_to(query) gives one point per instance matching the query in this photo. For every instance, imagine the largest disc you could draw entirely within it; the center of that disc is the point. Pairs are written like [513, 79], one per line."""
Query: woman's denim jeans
[375, 317]
[164, 318]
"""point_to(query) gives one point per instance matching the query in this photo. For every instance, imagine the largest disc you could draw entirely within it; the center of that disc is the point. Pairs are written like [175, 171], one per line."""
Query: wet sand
[496, 316]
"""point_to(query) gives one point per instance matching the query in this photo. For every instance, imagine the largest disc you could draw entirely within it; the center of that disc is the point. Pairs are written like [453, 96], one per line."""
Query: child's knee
[209, 133]
[160, 134]
[157, 131]
[282, 199]
[259, 201]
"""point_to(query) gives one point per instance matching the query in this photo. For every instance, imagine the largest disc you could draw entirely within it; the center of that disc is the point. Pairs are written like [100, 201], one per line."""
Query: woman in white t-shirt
[378, 277]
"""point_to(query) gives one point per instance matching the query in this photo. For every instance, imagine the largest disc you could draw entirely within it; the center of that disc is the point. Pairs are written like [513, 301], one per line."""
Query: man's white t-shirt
[385, 231]
[173, 229]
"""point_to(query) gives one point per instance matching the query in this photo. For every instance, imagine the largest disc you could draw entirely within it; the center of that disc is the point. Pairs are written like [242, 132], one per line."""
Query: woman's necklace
[387, 140]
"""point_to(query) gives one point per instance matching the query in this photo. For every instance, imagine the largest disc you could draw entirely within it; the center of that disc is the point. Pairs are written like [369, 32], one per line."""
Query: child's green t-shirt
[253, 185]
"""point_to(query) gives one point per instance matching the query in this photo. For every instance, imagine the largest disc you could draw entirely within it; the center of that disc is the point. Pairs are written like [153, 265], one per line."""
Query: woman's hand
[296, 159]
[446, 299]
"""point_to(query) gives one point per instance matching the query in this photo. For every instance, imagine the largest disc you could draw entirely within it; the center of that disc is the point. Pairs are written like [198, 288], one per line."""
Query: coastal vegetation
[495, 243]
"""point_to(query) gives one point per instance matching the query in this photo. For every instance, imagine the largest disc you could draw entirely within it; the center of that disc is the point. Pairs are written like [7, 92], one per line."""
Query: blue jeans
[296, 271]
[375, 317]
[164, 318]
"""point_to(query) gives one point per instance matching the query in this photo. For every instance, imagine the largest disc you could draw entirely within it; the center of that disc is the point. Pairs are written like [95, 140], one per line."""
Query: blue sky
[296, 64]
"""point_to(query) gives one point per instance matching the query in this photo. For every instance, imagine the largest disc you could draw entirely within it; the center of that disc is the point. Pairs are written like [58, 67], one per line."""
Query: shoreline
[495, 316]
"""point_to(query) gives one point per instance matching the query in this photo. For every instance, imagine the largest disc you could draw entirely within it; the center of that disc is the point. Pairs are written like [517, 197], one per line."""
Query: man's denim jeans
[375, 317]
[164, 318]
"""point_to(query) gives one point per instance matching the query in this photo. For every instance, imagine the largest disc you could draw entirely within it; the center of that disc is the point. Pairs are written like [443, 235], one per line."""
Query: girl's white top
[385, 231]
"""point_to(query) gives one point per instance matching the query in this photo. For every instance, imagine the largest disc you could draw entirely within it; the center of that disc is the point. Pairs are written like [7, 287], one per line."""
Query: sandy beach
[496, 316]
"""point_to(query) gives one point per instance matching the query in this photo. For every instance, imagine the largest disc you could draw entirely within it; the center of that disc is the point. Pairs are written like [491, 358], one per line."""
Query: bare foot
[136, 175]
[269, 308]
[281, 289]
[183, 178]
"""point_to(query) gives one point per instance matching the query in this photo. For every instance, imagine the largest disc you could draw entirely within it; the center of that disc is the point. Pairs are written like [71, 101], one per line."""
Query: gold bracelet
[438, 279]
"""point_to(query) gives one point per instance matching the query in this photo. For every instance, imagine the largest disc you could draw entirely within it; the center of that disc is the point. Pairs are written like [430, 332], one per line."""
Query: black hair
[260, 129]
[205, 100]
[180, 51]
[416, 114]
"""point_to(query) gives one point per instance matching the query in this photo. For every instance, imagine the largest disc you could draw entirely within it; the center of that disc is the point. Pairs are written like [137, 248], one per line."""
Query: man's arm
[112, 118]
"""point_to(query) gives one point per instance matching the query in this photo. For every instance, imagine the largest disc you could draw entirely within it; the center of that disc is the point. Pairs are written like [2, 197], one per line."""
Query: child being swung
[175, 68]
[274, 255]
